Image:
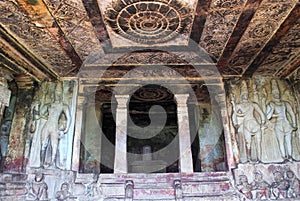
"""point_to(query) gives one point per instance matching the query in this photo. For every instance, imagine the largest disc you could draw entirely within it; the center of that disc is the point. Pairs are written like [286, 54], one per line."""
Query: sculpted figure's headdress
[244, 88]
[58, 90]
[275, 87]
[59, 87]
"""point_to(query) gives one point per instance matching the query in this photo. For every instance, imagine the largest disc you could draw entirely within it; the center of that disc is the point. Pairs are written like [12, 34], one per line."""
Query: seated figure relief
[64, 194]
[38, 189]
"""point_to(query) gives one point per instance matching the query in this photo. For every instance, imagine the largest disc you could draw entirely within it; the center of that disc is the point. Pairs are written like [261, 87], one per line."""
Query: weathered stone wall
[263, 169]
[15, 158]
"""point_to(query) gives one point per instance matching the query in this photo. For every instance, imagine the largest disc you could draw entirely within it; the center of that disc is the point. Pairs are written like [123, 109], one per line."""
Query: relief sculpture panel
[264, 118]
[271, 182]
[52, 114]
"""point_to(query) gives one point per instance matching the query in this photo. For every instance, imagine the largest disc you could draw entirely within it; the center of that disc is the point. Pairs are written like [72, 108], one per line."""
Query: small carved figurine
[294, 185]
[38, 189]
[244, 187]
[64, 194]
[280, 185]
[178, 190]
[260, 186]
[129, 190]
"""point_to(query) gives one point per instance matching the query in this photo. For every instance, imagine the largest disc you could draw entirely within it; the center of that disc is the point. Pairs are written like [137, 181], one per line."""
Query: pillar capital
[122, 100]
[181, 99]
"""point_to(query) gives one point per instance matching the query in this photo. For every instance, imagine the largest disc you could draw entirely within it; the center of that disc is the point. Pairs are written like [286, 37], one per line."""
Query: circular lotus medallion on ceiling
[152, 94]
[148, 22]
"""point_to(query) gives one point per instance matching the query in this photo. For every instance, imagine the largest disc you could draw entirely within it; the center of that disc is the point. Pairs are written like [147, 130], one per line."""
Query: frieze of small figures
[284, 184]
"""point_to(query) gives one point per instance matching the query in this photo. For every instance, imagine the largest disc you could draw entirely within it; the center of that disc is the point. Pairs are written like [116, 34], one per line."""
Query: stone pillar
[185, 153]
[15, 159]
[120, 165]
[77, 135]
[221, 98]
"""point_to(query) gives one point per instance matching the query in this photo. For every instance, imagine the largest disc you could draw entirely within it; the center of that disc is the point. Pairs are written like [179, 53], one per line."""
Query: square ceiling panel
[133, 23]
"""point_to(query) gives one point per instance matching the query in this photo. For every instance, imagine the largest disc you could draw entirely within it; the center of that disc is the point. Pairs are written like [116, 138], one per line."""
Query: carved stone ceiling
[48, 39]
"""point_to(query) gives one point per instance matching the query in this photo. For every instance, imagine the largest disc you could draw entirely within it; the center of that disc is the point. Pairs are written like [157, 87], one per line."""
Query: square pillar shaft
[120, 164]
[185, 153]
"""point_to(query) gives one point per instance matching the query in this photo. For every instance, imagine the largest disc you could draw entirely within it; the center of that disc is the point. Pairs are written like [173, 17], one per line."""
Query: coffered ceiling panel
[148, 23]
[48, 39]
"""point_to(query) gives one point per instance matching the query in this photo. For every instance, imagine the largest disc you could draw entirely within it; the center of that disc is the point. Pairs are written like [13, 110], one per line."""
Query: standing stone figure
[246, 124]
[38, 119]
[278, 111]
[53, 129]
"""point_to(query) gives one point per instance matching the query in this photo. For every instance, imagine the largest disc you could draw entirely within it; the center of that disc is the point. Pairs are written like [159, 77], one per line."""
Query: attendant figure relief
[280, 112]
[55, 127]
[247, 125]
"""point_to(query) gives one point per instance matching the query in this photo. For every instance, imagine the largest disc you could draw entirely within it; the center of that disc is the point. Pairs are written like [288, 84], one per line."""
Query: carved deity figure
[278, 110]
[294, 185]
[244, 187]
[247, 125]
[64, 194]
[39, 117]
[280, 185]
[38, 189]
[260, 186]
[53, 130]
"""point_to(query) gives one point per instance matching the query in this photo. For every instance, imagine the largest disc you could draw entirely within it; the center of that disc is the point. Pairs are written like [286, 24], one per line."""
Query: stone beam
[199, 20]
[38, 68]
[240, 28]
[93, 11]
[281, 32]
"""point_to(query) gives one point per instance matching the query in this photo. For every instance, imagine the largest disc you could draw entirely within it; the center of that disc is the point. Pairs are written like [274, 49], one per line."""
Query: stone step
[12, 186]
[13, 189]
[154, 194]
[155, 199]
[195, 186]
